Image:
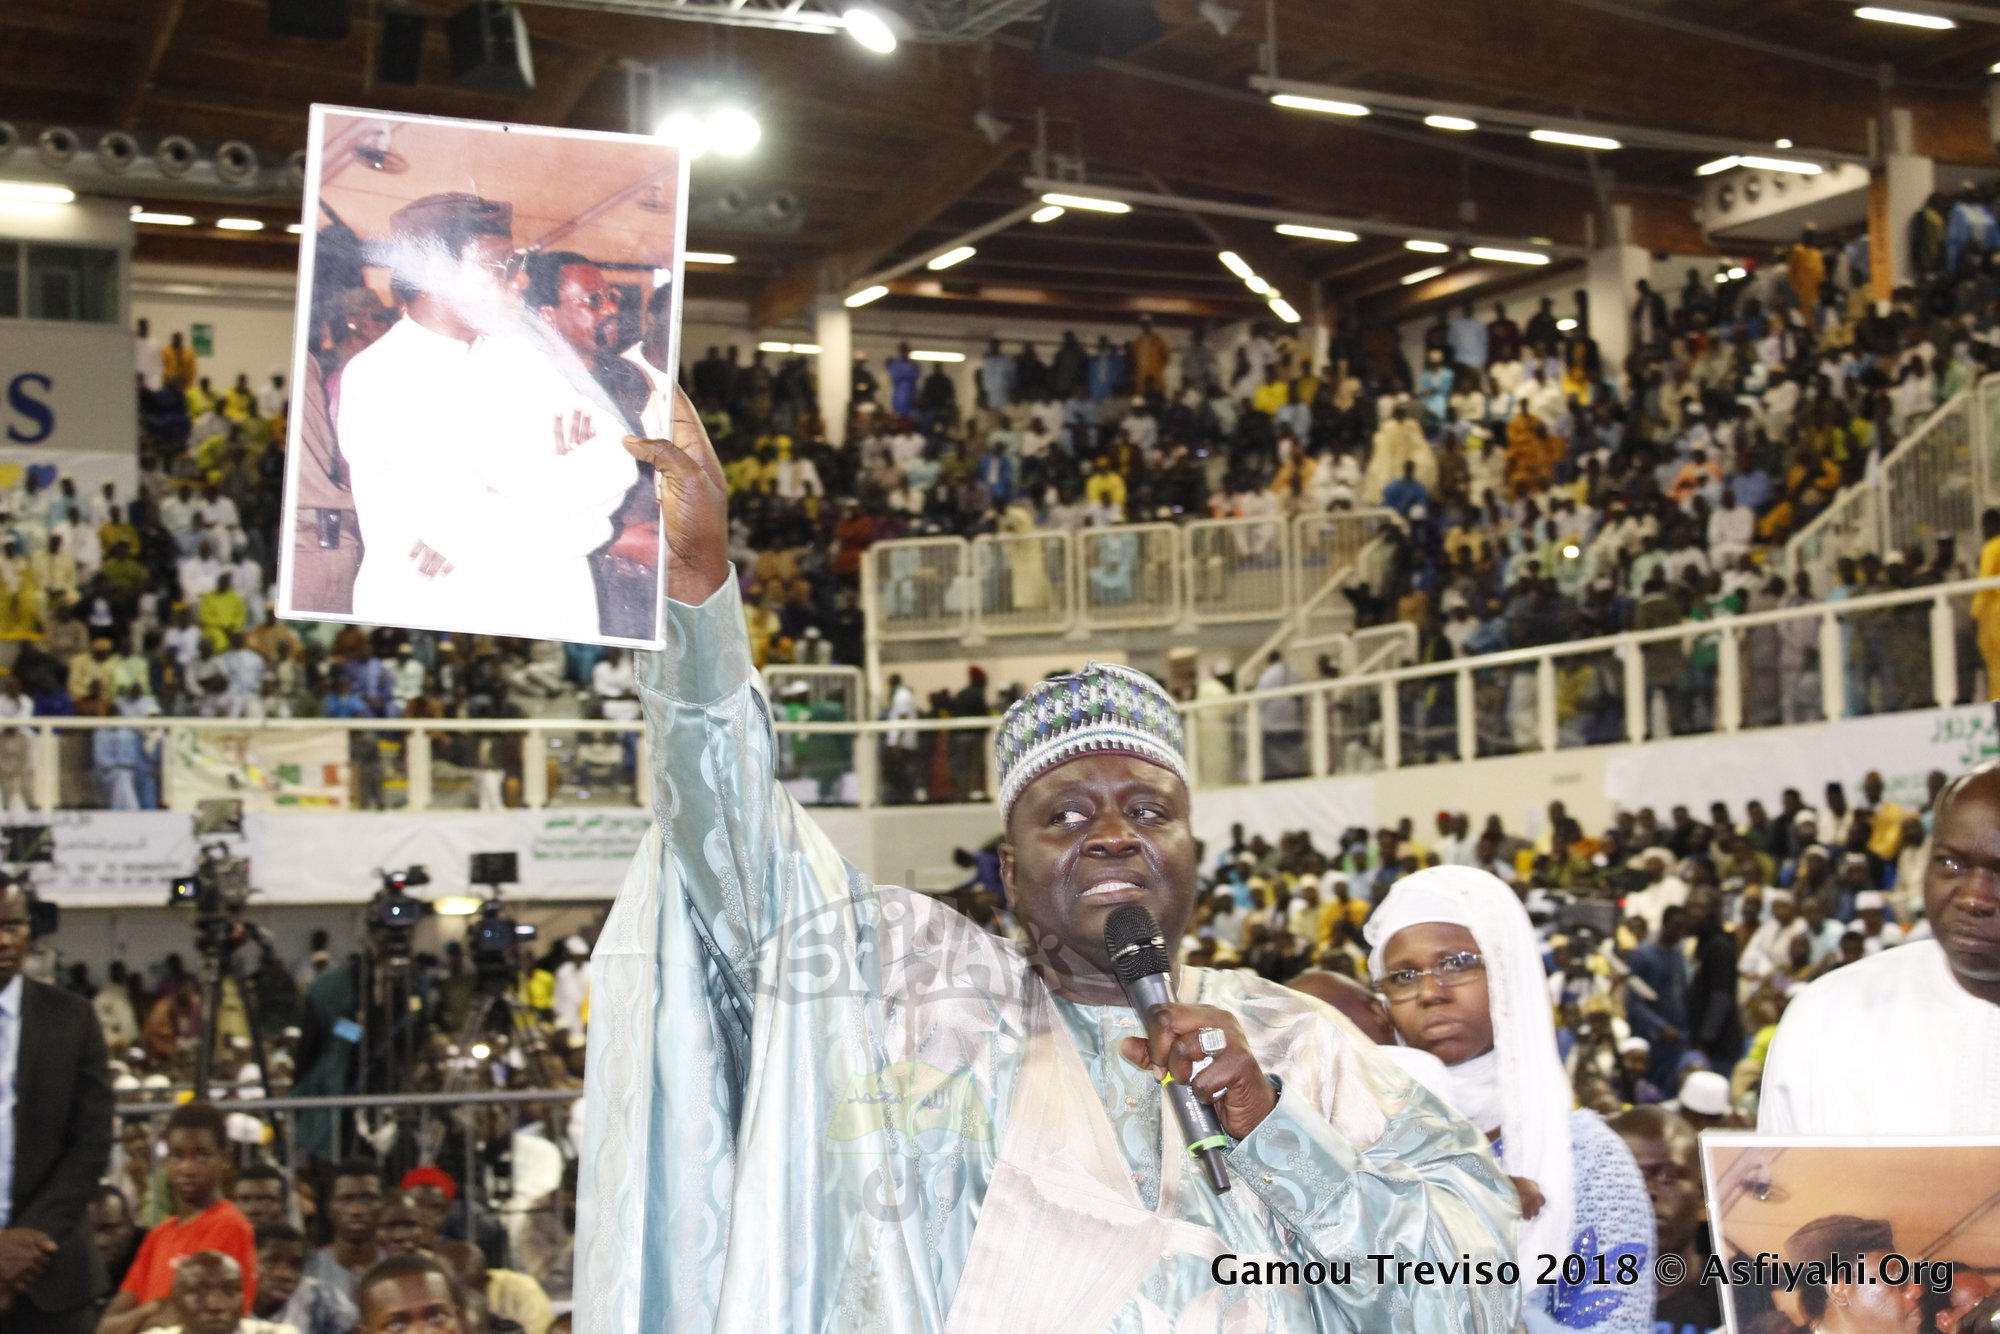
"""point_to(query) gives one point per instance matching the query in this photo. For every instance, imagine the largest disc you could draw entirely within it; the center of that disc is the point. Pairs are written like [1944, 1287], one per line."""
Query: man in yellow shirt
[1986, 604]
[1271, 395]
[1105, 487]
[221, 613]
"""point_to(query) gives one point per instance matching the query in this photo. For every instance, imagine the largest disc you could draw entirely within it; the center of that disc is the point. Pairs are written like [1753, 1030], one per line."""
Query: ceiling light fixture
[1317, 233]
[1421, 275]
[1325, 106]
[1783, 143]
[866, 295]
[1718, 166]
[1234, 263]
[1567, 324]
[708, 257]
[872, 28]
[956, 255]
[1427, 247]
[239, 224]
[1738, 273]
[727, 130]
[28, 192]
[1219, 16]
[1905, 18]
[1457, 124]
[1087, 202]
[1257, 284]
[947, 357]
[163, 219]
[1571, 139]
[1496, 255]
[295, 229]
[1789, 166]
[1046, 213]
[796, 349]
[1284, 310]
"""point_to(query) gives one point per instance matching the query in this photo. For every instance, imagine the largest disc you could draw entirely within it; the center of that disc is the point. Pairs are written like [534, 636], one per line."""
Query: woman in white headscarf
[1460, 972]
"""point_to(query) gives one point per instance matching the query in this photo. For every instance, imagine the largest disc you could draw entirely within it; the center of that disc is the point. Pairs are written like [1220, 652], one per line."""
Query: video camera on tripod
[217, 891]
[394, 912]
[492, 935]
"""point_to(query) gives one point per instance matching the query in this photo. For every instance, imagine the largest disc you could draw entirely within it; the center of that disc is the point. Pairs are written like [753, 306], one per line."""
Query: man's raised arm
[744, 852]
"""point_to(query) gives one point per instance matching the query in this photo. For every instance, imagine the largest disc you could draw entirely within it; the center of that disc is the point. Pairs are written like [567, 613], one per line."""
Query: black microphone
[1139, 957]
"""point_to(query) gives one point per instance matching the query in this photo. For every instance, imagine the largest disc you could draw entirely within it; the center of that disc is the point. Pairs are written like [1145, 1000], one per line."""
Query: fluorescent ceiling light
[1791, 166]
[800, 349]
[1234, 263]
[1738, 273]
[1787, 143]
[1993, 68]
[1089, 202]
[163, 219]
[1259, 286]
[1316, 233]
[1876, 14]
[29, 192]
[1422, 275]
[457, 905]
[1574, 140]
[1427, 247]
[867, 294]
[948, 357]
[1458, 123]
[1566, 324]
[1499, 256]
[774, 347]
[294, 228]
[239, 224]
[956, 255]
[1718, 166]
[1046, 213]
[708, 257]
[1326, 106]
[1283, 310]
[867, 26]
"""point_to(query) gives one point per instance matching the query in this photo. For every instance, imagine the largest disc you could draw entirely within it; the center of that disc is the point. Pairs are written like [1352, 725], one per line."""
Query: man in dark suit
[55, 1141]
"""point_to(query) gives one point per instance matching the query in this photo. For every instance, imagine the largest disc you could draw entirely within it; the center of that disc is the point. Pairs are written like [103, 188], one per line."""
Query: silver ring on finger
[1213, 1040]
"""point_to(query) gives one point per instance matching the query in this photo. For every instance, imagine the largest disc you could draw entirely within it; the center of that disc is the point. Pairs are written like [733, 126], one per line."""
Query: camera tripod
[217, 939]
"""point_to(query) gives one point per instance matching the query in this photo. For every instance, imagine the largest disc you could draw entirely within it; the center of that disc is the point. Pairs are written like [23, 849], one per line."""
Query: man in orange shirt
[203, 1221]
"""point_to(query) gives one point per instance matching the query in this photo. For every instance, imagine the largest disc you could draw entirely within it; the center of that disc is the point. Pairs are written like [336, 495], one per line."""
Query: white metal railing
[1331, 551]
[1238, 569]
[1931, 486]
[1131, 576]
[1025, 583]
[1879, 653]
[921, 588]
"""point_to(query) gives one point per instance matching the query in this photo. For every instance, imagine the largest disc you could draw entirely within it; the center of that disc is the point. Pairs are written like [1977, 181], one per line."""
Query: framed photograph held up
[485, 312]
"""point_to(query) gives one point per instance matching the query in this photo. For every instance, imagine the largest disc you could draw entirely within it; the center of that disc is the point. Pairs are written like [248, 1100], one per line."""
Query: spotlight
[57, 145]
[174, 155]
[1219, 16]
[729, 131]
[875, 27]
[117, 151]
[991, 125]
[235, 161]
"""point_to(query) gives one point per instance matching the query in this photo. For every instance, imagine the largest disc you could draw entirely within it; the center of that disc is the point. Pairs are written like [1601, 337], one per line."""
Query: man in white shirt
[1730, 529]
[1664, 891]
[200, 573]
[616, 687]
[1907, 1042]
[1764, 952]
[484, 473]
[146, 359]
[572, 984]
[272, 399]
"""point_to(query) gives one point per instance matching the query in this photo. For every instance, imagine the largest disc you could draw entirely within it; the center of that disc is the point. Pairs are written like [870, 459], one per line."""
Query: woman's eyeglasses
[1451, 971]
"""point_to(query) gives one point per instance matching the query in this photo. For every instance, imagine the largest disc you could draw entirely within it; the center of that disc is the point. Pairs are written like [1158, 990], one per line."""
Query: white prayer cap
[1705, 1093]
[1869, 900]
[1778, 896]
[575, 945]
[244, 1129]
[125, 1084]
[1630, 1045]
[1816, 850]
[1806, 815]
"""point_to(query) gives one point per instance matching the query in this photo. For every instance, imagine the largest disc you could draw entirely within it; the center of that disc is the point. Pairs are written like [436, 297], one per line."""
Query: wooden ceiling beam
[162, 17]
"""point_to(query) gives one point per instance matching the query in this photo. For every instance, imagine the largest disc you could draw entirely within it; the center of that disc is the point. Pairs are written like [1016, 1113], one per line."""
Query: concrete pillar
[1610, 277]
[833, 330]
[1896, 190]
